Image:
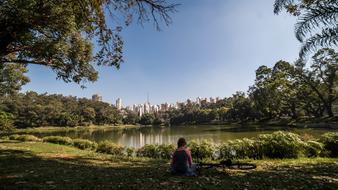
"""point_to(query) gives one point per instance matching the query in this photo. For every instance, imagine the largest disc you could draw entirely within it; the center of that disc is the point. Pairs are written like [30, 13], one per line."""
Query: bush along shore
[277, 145]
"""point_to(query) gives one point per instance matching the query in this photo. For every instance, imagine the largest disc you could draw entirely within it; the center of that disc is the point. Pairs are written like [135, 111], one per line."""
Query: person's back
[182, 161]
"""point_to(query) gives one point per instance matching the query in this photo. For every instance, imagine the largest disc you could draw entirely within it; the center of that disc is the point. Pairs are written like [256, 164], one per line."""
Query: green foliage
[148, 150]
[162, 151]
[130, 151]
[131, 118]
[281, 145]
[35, 110]
[165, 151]
[60, 34]
[203, 150]
[110, 148]
[4, 137]
[241, 108]
[12, 78]
[158, 121]
[6, 121]
[13, 137]
[316, 25]
[24, 138]
[276, 145]
[84, 144]
[240, 149]
[58, 140]
[313, 148]
[330, 141]
[147, 119]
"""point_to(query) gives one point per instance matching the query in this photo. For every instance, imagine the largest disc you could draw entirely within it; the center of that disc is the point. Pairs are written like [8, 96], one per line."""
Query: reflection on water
[156, 135]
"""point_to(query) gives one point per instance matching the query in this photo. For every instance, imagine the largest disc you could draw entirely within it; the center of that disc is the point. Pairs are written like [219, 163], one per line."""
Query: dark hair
[181, 142]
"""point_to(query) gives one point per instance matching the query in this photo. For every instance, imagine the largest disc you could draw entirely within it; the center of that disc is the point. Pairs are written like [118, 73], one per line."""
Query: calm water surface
[165, 135]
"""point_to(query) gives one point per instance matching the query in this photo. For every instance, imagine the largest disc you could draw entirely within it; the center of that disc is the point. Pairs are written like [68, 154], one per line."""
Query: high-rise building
[164, 107]
[140, 109]
[96, 97]
[118, 103]
[198, 100]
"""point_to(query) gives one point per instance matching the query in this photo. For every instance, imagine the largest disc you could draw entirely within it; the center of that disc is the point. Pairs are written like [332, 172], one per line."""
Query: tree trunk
[328, 109]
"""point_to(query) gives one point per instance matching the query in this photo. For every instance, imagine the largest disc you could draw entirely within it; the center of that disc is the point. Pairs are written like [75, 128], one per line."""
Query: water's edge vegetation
[275, 145]
[288, 161]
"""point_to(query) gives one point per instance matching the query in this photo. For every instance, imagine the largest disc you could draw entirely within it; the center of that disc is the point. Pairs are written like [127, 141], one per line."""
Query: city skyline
[147, 107]
[119, 100]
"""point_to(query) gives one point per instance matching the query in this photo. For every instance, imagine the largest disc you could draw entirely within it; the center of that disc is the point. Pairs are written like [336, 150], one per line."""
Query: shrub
[165, 151]
[14, 137]
[4, 137]
[156, 151]
[148, 150]
[240, 148]
[280, 145]
[6, 121]
[313, 148]
[58, 140]
[110, 148]
[130, 151]
[202, 150]
[84, 144]
[330, 141]
[24, 138]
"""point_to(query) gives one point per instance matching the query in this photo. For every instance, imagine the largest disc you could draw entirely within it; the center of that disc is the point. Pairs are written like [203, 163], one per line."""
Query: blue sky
[212, 49]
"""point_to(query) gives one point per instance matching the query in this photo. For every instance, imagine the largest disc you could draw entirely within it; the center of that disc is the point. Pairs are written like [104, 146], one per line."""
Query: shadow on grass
[23, 170]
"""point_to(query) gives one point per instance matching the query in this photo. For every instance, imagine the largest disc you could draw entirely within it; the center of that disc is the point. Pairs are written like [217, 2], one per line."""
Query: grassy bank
[38, 165]
[50, 129]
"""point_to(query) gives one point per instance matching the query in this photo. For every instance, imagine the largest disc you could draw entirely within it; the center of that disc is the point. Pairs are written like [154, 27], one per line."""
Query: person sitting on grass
[181, 163]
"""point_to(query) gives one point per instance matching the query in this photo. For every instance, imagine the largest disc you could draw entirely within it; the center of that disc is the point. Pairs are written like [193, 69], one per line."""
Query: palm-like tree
[317, 24]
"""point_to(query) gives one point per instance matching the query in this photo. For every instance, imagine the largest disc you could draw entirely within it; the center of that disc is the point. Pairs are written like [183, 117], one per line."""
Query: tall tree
[60, 34]
[12, 77]
[264, 95]
[317, 24]
[321, 77]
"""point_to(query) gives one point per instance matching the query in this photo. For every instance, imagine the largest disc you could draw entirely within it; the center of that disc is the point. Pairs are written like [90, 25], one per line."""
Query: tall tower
[119, 103]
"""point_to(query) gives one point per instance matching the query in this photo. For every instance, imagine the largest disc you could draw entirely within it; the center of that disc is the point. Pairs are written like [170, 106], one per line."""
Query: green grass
[38, 165]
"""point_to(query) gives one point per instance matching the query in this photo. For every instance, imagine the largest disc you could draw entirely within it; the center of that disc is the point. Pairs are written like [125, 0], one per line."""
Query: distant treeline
[34, 110]
[283, 91]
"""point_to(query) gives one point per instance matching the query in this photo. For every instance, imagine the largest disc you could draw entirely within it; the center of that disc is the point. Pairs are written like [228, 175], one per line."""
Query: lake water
[156, 135]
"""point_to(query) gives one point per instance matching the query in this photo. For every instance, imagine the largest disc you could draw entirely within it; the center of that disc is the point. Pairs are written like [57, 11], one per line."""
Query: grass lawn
[36, 165]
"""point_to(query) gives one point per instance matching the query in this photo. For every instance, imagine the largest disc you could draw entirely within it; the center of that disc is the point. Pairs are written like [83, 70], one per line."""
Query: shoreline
[277, 124]
[53, 129]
